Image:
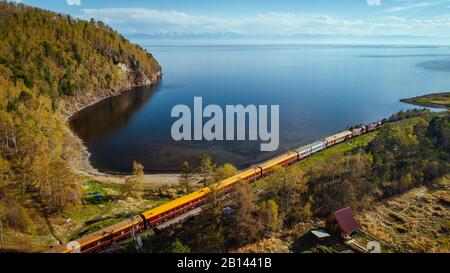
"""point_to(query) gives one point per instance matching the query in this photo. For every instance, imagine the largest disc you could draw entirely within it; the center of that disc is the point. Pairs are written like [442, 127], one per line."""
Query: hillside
[51, 65]
[57, 55]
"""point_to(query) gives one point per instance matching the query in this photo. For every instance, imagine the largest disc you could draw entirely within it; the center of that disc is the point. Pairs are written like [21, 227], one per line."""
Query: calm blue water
[320, 90]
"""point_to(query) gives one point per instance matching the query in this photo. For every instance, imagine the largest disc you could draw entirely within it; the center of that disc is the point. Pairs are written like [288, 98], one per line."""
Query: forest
[45, 59]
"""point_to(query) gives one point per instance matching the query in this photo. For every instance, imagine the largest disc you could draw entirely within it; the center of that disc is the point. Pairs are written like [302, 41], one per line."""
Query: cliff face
[69, 105]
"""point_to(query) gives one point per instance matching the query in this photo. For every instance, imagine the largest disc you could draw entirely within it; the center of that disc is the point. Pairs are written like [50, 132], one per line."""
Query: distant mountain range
[232, 38]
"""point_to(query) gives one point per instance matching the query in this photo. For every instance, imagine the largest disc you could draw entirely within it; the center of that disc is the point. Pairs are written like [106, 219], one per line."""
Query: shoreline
[82, 166]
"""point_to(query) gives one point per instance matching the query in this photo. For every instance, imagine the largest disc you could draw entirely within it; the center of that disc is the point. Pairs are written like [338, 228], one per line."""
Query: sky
[422, 18]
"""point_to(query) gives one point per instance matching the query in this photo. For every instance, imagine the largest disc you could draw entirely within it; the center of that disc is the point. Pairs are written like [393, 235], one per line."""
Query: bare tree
[135, 184]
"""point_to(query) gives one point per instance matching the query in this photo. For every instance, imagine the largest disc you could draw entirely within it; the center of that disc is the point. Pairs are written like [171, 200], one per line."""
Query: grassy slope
[417, 221]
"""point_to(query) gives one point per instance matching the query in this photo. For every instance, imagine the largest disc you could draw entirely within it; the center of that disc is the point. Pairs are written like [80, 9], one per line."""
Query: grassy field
[438, 100]
[417, 221]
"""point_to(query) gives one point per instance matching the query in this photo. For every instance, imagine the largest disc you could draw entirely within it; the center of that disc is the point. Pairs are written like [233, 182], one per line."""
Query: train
[152, 218]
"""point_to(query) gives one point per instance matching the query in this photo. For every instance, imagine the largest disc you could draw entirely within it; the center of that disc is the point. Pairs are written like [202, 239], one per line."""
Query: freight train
[149, 219]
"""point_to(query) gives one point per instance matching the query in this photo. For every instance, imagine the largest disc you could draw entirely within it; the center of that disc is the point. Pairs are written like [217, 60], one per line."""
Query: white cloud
[74, 2]
[374, 2]
[140, 20]
[416, 6]
[166, 21]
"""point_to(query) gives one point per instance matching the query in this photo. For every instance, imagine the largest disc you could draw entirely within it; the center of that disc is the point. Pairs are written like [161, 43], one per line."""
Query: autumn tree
[224, 171]
[244, 224]
[4, 175]
[340, 181]
[269, 216]
[134, 185]
[288, 188]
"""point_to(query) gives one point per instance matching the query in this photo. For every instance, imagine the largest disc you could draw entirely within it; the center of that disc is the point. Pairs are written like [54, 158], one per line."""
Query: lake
[320, 90]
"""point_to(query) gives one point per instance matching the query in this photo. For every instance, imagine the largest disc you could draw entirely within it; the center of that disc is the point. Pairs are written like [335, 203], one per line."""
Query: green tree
[178, 247]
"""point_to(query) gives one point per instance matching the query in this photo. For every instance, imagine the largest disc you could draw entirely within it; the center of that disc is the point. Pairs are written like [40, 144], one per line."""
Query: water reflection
[110, 115]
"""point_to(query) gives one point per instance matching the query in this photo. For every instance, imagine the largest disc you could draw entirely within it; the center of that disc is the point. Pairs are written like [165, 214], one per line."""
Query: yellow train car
[282, 160]
[170, 209]
[247, 175]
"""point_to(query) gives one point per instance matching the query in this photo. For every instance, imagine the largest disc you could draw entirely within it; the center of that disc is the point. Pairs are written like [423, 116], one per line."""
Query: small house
[343, 223]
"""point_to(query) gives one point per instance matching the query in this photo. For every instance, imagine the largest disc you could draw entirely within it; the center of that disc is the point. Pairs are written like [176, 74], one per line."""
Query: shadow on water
[107, 117]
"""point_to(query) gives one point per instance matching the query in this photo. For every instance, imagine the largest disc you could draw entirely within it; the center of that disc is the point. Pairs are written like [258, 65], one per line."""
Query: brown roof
[346, 221]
